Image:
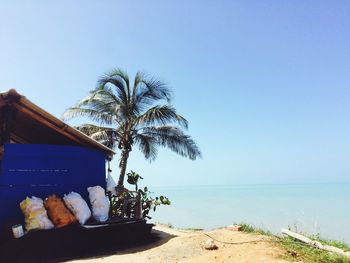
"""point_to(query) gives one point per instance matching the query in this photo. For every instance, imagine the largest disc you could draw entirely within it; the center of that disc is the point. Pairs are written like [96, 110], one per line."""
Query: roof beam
[46, 122]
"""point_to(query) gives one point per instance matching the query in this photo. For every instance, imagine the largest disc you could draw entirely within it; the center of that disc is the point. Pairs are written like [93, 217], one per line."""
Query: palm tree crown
[128, 115]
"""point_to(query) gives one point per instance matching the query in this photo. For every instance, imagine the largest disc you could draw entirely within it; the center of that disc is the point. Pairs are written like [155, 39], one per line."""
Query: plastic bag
[77, 205]
[99, 203]
[35, 214]
[58, 212]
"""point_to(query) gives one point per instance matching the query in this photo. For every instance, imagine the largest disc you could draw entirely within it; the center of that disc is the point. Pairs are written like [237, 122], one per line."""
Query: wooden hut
[42, 155]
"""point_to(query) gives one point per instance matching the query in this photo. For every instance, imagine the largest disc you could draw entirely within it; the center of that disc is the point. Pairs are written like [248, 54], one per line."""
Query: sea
[322, 209]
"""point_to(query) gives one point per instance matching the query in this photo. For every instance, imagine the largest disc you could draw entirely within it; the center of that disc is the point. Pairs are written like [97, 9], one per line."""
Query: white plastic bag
[77, 205]
[35, 214]
[99, 203]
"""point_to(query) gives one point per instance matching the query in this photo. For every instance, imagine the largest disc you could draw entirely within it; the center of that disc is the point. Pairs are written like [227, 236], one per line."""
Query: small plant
[133, 179]
[119, 207]
[116, 202]
[148, 202]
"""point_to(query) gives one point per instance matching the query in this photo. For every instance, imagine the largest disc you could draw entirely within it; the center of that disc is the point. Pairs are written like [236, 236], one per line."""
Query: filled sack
[58, 212]
[99, 203]
[35, 215]
[77, 205]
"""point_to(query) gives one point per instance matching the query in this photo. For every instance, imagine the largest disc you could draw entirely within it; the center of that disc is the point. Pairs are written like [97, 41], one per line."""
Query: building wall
[41, 170]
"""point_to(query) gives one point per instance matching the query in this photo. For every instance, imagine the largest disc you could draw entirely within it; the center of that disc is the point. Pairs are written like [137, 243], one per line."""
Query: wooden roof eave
[24, 105]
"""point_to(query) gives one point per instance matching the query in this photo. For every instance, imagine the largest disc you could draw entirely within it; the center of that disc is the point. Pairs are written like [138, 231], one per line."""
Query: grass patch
[334, 243]
[252, 229]
[299, 251]
[308, 254]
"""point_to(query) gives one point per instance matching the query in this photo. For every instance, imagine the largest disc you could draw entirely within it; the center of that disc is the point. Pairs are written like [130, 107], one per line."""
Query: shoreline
[267, 207]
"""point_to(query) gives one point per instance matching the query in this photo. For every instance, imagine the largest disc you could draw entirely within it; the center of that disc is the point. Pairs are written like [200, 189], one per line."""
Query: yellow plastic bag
[35, 214]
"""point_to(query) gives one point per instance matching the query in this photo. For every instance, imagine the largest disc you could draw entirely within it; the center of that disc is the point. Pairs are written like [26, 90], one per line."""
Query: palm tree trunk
[122, 165]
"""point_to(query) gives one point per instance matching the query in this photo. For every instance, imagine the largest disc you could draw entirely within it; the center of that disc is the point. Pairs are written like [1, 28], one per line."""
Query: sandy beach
[188, 246]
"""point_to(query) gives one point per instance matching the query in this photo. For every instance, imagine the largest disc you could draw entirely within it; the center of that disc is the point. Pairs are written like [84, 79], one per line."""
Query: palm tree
[128, 115]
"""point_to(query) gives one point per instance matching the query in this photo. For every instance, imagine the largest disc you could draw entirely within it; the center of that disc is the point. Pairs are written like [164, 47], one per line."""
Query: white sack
[99, 203]
[77, 205]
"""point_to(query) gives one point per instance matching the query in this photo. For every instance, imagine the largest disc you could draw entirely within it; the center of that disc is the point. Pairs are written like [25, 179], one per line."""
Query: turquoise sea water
[311, 208]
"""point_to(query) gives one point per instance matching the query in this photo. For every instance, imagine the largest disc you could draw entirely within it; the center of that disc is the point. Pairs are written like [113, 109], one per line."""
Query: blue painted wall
[41, 170]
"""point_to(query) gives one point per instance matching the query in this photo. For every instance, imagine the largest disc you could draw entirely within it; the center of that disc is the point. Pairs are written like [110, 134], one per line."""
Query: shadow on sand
[155, 239]
[74, 242]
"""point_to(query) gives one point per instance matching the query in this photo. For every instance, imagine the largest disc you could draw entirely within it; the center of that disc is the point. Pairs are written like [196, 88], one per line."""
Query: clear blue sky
[264, 84]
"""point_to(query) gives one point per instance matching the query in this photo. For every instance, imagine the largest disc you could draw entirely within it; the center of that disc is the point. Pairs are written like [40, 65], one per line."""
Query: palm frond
[148, 91]
[120, 74]
[136, 107]
[90, 129]
[174, 139]
[157, 89]
[118, 84]
[147, 146]
[105, 135]
[103, 93]
[100, 105]
[138, 79]
[94, 115]
[161, 115]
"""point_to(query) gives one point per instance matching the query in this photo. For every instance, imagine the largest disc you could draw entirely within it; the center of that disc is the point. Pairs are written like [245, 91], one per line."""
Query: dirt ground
[188, 246]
